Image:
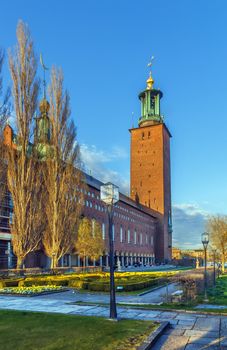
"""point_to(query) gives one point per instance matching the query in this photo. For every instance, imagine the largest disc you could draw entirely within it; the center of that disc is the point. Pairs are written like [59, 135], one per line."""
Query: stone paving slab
[198, 333]
[209, 323]
[201, 347]
[167, 342]
[224, 322]
[204, 341]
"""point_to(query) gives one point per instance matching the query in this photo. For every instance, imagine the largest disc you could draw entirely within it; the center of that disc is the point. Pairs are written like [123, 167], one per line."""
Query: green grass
[218, 294]
[31, 330]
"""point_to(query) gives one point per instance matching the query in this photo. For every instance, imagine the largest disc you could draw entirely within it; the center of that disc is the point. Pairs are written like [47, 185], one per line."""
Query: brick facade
[150, 182]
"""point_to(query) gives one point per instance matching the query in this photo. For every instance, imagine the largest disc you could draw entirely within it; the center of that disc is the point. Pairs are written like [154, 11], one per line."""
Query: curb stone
[151, 290]
[153, 337]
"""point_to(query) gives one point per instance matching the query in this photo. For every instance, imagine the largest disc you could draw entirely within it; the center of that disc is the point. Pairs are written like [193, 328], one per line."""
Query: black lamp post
[205, 241]
[109, 194]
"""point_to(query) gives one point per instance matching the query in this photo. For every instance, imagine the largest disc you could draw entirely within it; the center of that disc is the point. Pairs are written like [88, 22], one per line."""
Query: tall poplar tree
[62, 179]
[23, 176]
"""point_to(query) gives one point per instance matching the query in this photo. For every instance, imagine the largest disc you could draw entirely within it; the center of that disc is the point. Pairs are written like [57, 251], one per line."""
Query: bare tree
[217, 226]
[22, 175]
[89, 241]
[63, 180]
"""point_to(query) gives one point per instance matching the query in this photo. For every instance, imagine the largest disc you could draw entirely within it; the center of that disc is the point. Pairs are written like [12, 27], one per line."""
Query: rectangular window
[121, 235]
[135, 237]
[128, 236]
[103, 231]
[146, 239]
[141, 239]
[152, 240]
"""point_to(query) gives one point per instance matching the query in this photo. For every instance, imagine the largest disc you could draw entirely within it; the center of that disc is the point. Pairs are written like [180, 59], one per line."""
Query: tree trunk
[20, 262]
[223, 263]
[54, 263]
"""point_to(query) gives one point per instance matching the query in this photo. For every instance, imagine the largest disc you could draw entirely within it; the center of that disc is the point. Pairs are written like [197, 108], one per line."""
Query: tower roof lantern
[44, 106]
[150, 82]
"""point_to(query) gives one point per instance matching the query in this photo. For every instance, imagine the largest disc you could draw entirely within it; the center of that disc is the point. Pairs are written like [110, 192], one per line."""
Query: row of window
[101, 208]
[98, 207]
[138, 238]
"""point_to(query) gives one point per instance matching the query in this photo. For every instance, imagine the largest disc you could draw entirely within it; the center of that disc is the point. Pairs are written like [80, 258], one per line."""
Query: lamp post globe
[109, 194]
[205, 239]
[205, 242]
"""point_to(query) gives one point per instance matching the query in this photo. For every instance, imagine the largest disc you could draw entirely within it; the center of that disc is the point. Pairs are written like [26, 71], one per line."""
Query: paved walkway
[155, 297]
[186, 331]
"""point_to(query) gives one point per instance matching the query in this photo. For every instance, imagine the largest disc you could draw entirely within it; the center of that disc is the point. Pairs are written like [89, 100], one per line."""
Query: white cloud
[189, 222]
[97, 163]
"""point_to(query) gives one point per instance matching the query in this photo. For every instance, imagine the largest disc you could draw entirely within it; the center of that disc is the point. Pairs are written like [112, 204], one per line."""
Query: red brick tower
[150, 167]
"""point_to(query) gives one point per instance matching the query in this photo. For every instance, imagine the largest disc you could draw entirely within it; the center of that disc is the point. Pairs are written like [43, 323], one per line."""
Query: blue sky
[104, 47]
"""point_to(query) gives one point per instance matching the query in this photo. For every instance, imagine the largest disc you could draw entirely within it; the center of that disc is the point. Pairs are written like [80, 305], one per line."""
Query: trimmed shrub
[101, 286]
[78, 283]
[2, 284]
[12, 282]
[43, 282]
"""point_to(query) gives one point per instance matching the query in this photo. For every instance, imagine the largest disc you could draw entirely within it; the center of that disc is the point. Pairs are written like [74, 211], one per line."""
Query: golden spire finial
[150, 80]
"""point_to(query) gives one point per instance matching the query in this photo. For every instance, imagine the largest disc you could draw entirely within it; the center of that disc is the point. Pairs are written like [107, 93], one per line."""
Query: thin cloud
[96, 162]
[189, 222]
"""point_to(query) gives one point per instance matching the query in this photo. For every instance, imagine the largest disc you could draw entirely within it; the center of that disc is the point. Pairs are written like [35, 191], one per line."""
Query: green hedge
[100, 286]
[43, 282]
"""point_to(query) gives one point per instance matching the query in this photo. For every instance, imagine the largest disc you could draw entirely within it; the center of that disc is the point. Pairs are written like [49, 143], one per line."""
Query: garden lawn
[30, 330]
[218, 294]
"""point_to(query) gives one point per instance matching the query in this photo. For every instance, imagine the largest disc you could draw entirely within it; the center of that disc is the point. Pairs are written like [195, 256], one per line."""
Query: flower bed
[34, 290]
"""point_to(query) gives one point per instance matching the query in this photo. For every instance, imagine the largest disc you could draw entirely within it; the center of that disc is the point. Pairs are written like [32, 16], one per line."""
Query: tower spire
[44, 76]
[150, 80]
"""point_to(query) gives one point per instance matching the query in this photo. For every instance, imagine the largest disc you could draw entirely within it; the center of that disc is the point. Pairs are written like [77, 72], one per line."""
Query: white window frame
[121, 234]
[135, 237]
[129, 236]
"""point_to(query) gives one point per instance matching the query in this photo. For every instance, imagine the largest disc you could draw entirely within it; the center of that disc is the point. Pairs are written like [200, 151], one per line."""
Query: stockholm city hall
[142, 225]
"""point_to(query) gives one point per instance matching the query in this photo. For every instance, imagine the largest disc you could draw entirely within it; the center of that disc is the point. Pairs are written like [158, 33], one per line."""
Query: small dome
[44, 106]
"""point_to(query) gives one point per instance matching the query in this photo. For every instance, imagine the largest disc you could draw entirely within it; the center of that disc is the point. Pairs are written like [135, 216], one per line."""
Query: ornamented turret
[150, 104]
[43, 132]
[42, 135]
[43, 123]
